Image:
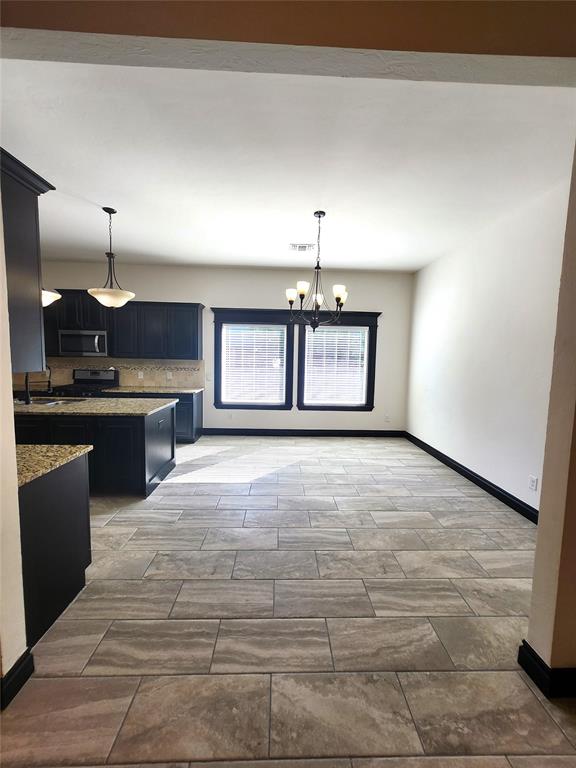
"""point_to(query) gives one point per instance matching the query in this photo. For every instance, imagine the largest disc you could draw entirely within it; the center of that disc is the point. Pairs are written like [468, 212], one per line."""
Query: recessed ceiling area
[227, 168]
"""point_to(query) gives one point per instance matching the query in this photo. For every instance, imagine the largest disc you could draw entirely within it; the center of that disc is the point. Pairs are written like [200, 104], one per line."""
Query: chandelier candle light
[312, 301]
[111, 295]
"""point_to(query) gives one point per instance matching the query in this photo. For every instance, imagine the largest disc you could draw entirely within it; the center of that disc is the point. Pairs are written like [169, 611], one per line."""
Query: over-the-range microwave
[83, 343]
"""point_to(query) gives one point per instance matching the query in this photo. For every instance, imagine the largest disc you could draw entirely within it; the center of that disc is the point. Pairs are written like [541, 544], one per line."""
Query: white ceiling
[227, 168]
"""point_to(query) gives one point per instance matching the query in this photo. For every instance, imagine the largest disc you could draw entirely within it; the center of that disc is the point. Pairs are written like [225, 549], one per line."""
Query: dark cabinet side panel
[23, 275]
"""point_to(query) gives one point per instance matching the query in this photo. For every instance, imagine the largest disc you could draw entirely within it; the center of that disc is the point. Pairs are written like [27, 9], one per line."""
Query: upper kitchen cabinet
[185, 331]
[148, 329]
[21, 188]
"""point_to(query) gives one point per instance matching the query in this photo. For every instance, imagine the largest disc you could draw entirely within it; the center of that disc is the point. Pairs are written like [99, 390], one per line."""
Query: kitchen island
[133, 438]
[54, 530]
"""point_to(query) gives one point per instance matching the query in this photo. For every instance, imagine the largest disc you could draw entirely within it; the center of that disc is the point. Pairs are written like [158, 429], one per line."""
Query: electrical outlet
[169, 375]
[532, 482]
[140, 374]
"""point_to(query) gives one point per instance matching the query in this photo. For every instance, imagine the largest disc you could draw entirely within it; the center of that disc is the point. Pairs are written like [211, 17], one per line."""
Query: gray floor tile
[65, 720]
[386, 644]
[155, 537]
[386, 539]
[216, 518]
[124, 599]
[313, 538]
[460, 538]
[416, 597]
[241, 538]
[225, 599]
[137, 517]
[276, 518]
[336, 519]
[287, 564]
[506, 563]
[479, 712]
[405, 519]
[482, 642]
[196, 717]
[363, 503]
[248, 502]
[155, 648]
[431, 762]
[272, 645]
[277, 489]
[307, 503]
[191, 565]
[110, 537]
[514, 538]
[496, 597]
[124, 564]
[65, 649]
[318, 714]
[321, 598]
[439, 565]
[358, 565]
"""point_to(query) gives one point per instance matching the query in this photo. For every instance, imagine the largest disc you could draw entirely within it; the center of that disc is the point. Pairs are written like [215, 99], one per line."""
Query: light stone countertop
[38, 460]
[94, 406]
[153, 390]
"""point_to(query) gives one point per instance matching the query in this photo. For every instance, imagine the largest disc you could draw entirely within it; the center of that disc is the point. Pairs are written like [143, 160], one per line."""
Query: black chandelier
[313, 310]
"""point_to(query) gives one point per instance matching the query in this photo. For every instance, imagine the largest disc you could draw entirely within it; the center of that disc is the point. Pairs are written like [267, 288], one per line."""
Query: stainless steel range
[89, 382]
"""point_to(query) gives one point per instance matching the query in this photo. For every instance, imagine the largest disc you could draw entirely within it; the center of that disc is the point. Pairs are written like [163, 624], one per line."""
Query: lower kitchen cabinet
[188, 412]
[131, 455]
[55, 542]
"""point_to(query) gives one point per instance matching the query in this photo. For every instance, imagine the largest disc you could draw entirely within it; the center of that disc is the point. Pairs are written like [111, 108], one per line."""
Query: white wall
[482, 343]
[386, 292]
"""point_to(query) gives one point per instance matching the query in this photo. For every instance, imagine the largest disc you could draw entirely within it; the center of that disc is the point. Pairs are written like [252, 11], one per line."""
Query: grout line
[330, 644]
[214, 647]
[397, 676]
[124, 719]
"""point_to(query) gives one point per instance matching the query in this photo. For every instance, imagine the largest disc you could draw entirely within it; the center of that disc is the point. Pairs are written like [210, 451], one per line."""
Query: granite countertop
[37, 460]
[94, 406]
[152, 389]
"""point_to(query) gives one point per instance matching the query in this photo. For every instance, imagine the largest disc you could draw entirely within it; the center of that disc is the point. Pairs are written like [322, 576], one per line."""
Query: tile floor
[324, 603]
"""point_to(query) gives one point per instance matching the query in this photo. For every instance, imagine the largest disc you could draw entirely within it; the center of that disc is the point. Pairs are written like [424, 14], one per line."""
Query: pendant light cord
[110, 230]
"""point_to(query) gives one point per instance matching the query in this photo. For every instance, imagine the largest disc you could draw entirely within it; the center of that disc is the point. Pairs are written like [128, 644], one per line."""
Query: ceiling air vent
[302, 247]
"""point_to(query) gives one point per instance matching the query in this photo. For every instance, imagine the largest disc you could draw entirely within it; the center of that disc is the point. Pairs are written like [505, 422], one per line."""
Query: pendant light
[49, 296]
[313, 310]
[111, 295]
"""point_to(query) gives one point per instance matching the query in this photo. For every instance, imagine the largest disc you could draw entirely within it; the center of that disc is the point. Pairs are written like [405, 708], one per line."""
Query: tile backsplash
[185, 373]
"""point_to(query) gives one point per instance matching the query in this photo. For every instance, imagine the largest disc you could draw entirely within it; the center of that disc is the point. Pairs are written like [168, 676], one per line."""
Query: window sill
[302, 407]
[253, 406]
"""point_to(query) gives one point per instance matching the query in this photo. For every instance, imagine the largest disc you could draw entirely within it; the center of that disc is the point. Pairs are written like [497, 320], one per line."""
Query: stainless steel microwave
[83, 343]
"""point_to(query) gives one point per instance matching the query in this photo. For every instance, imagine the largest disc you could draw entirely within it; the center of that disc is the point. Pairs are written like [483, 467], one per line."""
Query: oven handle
[96, 345]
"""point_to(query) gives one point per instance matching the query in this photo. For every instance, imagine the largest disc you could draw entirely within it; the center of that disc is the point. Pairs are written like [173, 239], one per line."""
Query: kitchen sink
[50, 402]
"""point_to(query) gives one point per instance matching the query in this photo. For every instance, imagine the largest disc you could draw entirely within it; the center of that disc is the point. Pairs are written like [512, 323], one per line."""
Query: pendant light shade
[111, 295]
[49, 296]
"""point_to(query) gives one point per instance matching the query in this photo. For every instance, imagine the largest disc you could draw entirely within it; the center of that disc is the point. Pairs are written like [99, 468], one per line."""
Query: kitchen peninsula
[133, 438]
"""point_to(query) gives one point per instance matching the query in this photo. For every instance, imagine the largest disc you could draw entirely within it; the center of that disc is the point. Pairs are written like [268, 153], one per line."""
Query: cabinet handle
[161, 421]
[96, 347]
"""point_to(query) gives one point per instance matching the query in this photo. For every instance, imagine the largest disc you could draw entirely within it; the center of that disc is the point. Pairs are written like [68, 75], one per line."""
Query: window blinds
[253, 365]
[336, 365]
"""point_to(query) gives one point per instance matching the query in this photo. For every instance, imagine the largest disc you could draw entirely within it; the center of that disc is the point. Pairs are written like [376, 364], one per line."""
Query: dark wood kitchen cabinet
[140, 329]
[21, 188]
[55, 543]
[131, 455]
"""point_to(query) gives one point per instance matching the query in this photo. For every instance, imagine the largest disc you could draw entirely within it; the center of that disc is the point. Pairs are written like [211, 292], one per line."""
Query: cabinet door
[185, 421]
[124, 331]
[152, 329]
[120, 449]
[94, 315]
[69, 309]
[32, 430]
[183, 331]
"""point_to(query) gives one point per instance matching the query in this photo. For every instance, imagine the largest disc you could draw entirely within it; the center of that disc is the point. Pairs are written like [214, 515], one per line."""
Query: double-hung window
[253, 359]
[336, 367]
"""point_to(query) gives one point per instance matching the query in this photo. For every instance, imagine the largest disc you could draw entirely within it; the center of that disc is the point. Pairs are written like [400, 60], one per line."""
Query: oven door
[83, 343]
